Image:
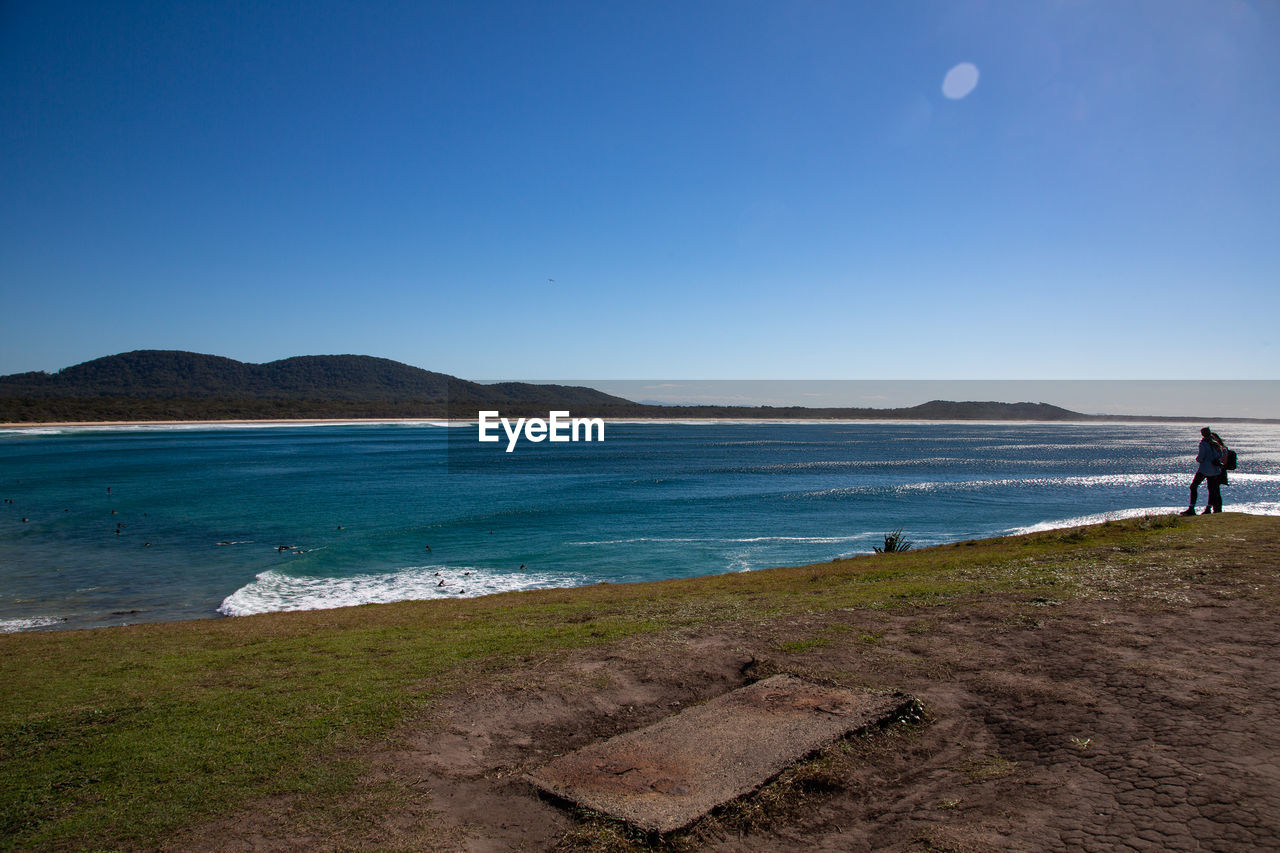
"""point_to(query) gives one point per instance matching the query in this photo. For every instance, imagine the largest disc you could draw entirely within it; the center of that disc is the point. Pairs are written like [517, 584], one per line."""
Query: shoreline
[54, 624]
[443, 422]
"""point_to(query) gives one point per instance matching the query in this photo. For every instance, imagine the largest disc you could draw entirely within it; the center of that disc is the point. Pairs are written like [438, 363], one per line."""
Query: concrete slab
[664, 777]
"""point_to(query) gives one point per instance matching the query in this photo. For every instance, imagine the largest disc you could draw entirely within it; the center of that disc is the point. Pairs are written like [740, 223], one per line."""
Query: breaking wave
[1251, 508]
[722, 540]
[274, 591]
[12, 626]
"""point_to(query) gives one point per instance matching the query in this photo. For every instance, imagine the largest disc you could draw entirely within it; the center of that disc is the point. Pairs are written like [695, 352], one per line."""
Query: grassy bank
[121, 737]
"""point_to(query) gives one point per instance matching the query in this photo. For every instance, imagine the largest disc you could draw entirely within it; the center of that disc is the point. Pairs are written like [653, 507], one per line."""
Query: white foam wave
[275, 591]
[1093, 518]
[1251, 508]
[1164, 480]
[1244, 477]
[1041, 482]
[1039, 447]
[12, 626]
[854, 464]
[1254, 507]
[724, 540]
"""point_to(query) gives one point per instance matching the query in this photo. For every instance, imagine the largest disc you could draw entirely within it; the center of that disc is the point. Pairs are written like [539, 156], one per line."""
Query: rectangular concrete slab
[664, 777]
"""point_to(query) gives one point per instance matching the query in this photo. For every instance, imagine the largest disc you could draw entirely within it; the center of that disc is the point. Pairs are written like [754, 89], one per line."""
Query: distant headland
[172, 385]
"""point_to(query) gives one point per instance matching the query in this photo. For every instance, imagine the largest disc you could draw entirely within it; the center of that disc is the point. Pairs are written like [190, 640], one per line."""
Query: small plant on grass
[893, 543]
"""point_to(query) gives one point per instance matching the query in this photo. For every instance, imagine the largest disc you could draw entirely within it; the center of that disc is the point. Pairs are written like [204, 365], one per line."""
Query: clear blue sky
[719, 189]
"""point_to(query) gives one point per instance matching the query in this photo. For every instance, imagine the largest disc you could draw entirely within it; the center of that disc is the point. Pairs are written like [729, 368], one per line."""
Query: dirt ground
[1142, 720]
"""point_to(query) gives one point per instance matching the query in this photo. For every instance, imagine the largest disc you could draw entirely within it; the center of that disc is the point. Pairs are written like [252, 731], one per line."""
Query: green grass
[120, 737]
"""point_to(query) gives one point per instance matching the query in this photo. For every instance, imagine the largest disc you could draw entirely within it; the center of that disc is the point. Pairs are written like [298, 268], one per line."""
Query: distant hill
[176, 385]
[945, 410]
[935, 410]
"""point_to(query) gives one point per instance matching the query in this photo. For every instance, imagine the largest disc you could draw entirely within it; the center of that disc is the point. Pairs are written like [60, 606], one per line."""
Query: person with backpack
[1227, 462]
[1209, 468]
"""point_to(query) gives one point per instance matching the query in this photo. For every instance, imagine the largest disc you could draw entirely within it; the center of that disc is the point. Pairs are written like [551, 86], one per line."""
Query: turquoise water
[112, 526]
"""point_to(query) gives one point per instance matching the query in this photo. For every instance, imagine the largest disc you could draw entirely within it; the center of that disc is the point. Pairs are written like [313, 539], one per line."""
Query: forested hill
[171, 373]
[174, 385]
[170, 384]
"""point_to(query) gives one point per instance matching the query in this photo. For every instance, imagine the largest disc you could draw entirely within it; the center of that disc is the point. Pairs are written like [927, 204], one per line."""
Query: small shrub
[893, 543]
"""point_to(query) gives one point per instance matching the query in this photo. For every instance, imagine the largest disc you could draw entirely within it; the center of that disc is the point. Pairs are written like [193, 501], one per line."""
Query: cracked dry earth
[1122, 722]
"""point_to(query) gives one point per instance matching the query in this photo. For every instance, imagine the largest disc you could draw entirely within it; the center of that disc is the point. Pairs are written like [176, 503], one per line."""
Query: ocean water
[109, 526]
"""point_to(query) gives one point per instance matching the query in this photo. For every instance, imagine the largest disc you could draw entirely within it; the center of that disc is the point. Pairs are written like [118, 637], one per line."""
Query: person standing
[1216, 483]
[1208, 468]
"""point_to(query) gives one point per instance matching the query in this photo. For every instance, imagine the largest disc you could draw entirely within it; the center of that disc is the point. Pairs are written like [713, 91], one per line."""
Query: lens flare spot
[960, 81]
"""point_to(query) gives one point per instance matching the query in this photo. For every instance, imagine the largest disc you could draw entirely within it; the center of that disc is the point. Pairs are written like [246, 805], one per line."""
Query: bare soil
[1146, 719]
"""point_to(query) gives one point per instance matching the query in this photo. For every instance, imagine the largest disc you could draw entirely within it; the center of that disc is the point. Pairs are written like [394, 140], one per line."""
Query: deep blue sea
[108, 526]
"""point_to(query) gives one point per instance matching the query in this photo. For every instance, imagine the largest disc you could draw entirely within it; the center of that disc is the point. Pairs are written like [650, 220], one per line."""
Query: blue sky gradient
[719, 189]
